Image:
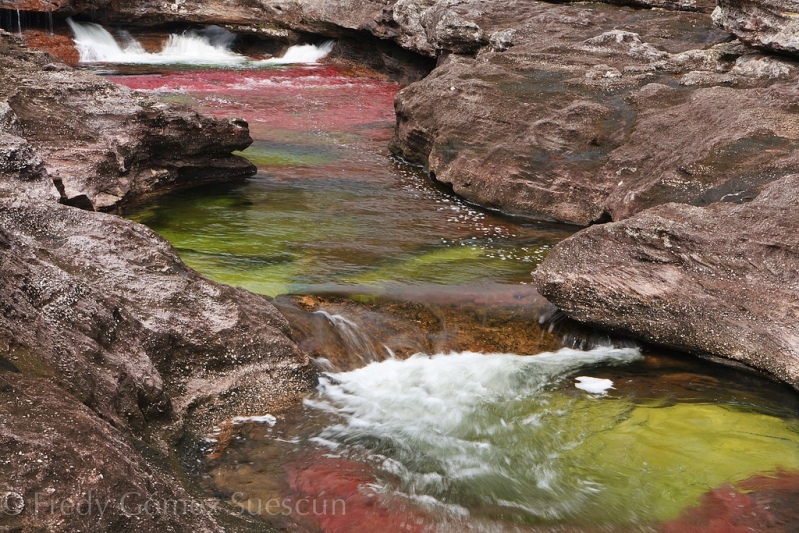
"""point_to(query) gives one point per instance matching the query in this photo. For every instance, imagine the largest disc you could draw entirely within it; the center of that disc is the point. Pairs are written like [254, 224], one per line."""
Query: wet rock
[607, 113]
[129, 144]
[346, 333]
[766, 24]
[718, 280]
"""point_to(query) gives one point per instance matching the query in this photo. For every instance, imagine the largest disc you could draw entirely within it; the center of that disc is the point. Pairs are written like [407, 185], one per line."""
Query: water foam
[452, 422]
[209, 47]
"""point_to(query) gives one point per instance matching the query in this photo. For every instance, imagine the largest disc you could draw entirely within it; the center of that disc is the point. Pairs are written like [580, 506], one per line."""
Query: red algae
[345, 487]
[310, 98]
[759, 503]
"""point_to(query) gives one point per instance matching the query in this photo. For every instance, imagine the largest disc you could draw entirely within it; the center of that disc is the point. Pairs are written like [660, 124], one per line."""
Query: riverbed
[617, 437]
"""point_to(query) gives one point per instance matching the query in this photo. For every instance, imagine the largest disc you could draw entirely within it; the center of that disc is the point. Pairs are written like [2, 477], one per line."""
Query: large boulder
[720, 280]
[592, 113]
[767, 24]
[103, 144]
[111, 348]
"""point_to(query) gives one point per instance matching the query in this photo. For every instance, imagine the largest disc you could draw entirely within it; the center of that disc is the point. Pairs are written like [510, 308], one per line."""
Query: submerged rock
[102, 144]
[720, 280]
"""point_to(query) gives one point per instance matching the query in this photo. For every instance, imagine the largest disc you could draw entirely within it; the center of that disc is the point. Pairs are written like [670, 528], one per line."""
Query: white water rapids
[441, 424]
[210, 47]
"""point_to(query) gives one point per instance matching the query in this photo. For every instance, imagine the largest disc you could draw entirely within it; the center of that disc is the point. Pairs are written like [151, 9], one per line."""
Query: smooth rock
[608, 112]
[720, 280]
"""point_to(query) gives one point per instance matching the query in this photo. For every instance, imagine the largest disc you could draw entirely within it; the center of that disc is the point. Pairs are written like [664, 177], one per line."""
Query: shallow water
[459, 441]
[329, 208]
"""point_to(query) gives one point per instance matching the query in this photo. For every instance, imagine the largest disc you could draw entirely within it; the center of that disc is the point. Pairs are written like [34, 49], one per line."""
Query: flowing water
[607, 439]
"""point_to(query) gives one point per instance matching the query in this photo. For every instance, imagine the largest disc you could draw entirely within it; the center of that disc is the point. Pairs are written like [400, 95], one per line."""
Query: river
[505, 428]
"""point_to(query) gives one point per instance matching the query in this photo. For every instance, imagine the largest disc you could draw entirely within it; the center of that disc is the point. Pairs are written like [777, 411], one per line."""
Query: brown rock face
[103, 144]
[109, 344]
[720, 280]
[65, 469]
[767, 24]
[606, 113]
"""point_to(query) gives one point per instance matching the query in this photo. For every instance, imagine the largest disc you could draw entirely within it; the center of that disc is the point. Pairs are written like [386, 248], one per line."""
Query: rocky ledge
[720, 280]
[108, 342]
[589, 114]
[608, 112]
[101, 144]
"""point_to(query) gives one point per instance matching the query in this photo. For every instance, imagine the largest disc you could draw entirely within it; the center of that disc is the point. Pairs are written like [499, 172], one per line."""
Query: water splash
[303, 53]
[209, 47]
[481, 438]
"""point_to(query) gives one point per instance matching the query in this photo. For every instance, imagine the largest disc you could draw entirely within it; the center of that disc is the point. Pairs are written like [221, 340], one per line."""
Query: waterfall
[303, 53]
[19, 23]
[210, 46]
[356, 341]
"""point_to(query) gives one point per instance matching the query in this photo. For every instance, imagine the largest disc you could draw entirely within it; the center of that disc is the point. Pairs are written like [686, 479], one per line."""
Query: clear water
[329, 209]
[460, 441]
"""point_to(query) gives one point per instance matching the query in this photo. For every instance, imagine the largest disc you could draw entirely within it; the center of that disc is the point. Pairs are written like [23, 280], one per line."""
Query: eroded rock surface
[597, 113]
[768, 24]
[102, 144]
[721, 280]
[65, 469]
[110, 346]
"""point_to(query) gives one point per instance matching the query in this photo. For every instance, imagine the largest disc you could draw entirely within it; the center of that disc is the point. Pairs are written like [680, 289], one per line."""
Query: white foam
[593, 385]
[460, 419]
[302, 54]
[263, 419]
[210, 47]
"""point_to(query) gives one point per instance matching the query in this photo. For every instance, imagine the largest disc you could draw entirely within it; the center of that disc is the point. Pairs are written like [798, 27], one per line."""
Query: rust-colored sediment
[61, 46]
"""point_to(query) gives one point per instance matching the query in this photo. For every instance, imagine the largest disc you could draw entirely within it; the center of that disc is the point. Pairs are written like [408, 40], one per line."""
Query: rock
[129, 143]
[705, 6]
[511, 319]
[112, 349]
[766, 24]
[720, 280]
[61, 46]
[585, 122]
[427, 27]
[65, 469]
[105, 308]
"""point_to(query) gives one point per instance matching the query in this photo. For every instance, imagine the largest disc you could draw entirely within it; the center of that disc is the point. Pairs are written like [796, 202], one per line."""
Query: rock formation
[720, 280]
[601, 116]
[107, 340]
[766, 24]
[102, 144]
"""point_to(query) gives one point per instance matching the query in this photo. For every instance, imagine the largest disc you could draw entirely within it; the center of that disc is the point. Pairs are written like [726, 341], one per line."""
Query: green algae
[275, 236]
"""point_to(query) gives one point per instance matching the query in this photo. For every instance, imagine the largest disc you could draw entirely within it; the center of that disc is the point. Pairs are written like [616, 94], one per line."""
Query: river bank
[590, 125]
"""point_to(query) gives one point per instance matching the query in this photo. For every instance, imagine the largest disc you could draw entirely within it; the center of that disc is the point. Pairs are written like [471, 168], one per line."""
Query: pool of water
[329, 209]
[457, 441]
[502, 442]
